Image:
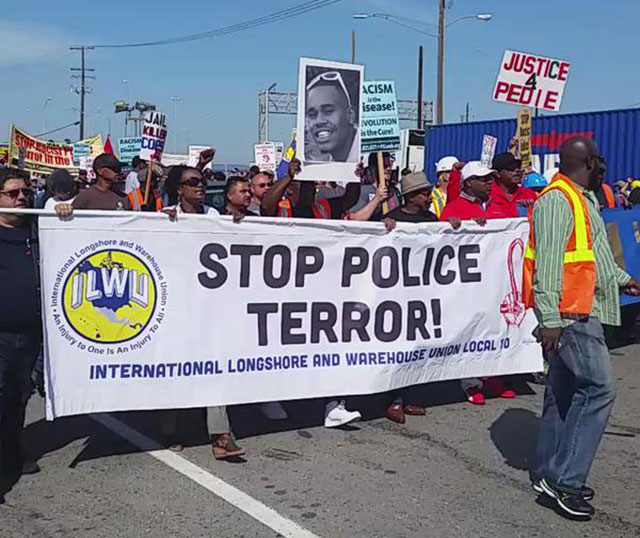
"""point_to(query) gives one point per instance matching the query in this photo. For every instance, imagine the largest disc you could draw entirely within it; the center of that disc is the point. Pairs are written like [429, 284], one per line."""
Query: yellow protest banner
[31, 153]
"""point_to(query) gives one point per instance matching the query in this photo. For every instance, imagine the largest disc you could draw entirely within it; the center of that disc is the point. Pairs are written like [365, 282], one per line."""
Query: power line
[294, 11]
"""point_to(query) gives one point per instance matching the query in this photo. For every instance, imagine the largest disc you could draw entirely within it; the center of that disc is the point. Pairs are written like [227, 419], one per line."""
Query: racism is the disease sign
[531, 80]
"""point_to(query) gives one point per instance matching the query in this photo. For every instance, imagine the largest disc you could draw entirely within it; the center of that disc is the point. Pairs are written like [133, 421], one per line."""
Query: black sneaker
[587, 493]
[571, 503]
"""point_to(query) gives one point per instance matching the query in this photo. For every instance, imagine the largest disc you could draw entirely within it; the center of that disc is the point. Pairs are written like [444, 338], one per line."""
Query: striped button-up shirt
[552, 225]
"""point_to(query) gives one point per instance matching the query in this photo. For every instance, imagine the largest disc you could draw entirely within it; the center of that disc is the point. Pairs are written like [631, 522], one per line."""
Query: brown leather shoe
[395, 413]
[223, 446]
[415, 410]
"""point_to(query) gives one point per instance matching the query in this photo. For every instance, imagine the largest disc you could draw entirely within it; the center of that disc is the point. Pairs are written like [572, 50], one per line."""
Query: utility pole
[420, 125]
[466, 114]
[83, 88]
[440, 96]
[353, 46]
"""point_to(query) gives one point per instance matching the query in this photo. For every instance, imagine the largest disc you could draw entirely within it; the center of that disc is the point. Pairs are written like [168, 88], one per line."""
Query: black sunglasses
[14, 193]
[194, 182]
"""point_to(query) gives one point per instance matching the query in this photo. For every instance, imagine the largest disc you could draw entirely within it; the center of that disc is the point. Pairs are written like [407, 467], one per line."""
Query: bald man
[573, 283]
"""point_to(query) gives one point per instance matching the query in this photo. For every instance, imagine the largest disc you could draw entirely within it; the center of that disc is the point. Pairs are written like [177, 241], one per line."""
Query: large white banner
[144, 313]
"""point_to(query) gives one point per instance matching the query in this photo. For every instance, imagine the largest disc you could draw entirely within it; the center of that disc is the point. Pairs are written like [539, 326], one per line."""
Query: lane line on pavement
[250, 506]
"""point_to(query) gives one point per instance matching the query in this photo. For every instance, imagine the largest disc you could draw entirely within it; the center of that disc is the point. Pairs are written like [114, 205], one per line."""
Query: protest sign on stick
[488, 150]
[328, 124]
[265, 156]
[531, 80]
[523, 136]
[154, 137]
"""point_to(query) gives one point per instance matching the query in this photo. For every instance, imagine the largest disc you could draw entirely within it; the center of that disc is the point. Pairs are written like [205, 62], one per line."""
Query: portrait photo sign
[328, 126]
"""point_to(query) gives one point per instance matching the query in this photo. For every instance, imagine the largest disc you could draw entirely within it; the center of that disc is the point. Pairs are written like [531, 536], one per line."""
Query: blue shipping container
[617, 133]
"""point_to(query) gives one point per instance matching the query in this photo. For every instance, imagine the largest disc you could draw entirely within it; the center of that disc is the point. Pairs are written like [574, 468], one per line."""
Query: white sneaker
[335, 414]
[274, 411]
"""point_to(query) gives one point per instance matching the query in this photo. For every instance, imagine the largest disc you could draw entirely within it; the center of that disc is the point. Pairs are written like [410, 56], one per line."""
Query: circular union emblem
[109, 297]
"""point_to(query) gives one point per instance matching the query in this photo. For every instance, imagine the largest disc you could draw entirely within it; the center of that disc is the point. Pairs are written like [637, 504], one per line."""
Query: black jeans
[18, 353]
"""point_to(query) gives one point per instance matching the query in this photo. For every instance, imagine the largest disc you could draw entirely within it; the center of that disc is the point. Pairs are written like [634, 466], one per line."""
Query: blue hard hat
[534, 181]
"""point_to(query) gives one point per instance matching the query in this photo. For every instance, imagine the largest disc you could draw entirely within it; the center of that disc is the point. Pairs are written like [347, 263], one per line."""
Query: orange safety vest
[608, 194]
[321, 209]
[579, 269]
[136, 200]
[284, 209]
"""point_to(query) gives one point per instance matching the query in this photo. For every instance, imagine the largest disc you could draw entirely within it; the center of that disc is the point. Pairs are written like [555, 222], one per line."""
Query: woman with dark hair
[185, 188]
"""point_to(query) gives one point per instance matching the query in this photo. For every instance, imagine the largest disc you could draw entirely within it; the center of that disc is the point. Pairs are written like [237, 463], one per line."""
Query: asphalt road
[458, 472]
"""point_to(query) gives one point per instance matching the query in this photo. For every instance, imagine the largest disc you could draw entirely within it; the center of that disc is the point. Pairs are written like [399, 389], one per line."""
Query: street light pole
[440, 81]
[420, 126]
[44, 113]
[175, 100]
[353, 46]
[266, 111]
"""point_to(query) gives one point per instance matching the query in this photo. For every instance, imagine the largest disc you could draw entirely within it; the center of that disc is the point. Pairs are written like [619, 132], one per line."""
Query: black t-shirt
[401, 216]
[20, 304]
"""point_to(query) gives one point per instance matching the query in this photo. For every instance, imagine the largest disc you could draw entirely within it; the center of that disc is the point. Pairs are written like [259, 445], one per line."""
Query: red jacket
[504, 206]
[463, 209]
[454, 185]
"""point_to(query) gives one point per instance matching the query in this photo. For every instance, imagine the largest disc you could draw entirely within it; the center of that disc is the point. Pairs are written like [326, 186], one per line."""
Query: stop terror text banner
[144, 313]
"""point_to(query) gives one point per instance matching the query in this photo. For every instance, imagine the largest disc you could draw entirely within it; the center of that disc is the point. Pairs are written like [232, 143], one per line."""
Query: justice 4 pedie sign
[531, 80]
[154, 136]
[380, 127]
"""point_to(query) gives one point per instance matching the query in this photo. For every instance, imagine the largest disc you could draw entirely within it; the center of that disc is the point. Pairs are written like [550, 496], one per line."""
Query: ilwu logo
[109, 296]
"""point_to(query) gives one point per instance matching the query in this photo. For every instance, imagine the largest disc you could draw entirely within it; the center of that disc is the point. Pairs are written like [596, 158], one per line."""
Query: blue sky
[218, 79]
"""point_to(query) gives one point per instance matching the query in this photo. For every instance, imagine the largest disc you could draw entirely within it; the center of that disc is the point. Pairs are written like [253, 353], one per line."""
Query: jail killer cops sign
[230, 313]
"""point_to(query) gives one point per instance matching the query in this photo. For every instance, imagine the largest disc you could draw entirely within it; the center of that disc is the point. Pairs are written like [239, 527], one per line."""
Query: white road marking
[250, 506]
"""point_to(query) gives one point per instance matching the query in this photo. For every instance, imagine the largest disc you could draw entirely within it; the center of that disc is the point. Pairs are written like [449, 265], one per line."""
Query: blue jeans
[18, 353]
[577, 403]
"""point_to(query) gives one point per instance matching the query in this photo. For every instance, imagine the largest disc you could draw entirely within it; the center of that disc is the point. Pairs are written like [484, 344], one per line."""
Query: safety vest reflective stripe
[321, 209]
[579, 256]
[439, 201]
[135, 199]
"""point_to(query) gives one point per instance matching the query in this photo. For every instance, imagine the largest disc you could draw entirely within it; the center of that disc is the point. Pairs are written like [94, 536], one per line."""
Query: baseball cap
[504, 161]
[446, 164]
[415, 181]
[475, 169]
[107, 160]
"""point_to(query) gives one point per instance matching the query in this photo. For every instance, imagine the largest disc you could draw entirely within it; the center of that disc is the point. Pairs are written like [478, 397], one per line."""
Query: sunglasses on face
[194, 182]
[14, 193]
[331, 76]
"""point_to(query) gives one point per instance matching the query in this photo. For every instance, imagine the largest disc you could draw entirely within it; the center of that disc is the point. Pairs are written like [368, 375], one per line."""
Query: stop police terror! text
[279, 266]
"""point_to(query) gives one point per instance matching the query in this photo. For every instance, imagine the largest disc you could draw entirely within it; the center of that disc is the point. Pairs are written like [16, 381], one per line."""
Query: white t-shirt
[51, 203]
[208, 210]
[131, 182]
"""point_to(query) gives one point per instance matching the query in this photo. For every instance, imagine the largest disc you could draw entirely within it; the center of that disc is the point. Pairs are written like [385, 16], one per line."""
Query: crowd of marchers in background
[462, 191]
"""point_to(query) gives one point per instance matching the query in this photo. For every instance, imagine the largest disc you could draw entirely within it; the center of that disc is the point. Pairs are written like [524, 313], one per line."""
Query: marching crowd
[462, 191]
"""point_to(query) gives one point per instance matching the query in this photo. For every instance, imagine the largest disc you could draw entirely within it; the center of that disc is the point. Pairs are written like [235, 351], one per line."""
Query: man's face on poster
[329, 118]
